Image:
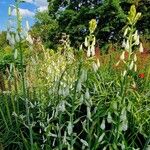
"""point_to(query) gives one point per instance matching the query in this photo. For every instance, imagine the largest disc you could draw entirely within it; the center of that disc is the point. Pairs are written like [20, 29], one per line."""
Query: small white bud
[117, 63]
[9, 11]
[103, 124]
[8, 37]
[98, 63]
[70, 128]
[126, 31]
[141, 48]
[15, 54]
[65, 138]
[88, 52]
[123, 115]
[83, 75]
[89, 113]
[79, 86]
[29, 39]
[27, 26]
[124, 73]
[124, 125]
[62, 107]
[86, 42]
[101, 137]
[135, 35]
[84, 142]
[135, 67]
[137, 39]
[94, 41]
[12, 40]
[67, 91]
[109, 118]
[87, 95]
[131, 65]
[123, 43]
[127, 45]
[81, 47]
[135, 58]
[134, 86]
[81, 99]
[93, 50]
[122, 57]
[95, 67]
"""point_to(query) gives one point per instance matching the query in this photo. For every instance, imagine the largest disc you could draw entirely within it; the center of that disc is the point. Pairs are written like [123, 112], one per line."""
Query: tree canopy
[72, 17]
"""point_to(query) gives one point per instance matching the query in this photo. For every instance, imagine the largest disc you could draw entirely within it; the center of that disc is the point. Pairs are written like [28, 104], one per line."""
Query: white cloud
[29, 1]
[41, 3]
[23, 12]
[42, 8]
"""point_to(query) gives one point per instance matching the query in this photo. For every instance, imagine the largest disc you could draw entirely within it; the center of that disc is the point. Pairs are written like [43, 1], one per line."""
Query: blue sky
[27, 10]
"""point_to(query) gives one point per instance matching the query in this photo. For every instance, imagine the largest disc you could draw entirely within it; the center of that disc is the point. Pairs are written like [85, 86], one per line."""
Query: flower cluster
[131, 39]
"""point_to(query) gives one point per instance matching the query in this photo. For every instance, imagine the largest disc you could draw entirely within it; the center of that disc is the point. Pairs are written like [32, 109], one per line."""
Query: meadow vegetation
[75, 98]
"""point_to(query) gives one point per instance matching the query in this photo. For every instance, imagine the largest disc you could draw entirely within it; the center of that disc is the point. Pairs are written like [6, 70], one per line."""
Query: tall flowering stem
[131, 39]
[19, 30]
[90, 40]
[129, 58]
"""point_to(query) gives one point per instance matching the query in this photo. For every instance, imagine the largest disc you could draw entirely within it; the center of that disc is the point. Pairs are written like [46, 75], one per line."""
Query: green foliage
[3, 41]
[73, 17]
[68, 101]
[45, 27]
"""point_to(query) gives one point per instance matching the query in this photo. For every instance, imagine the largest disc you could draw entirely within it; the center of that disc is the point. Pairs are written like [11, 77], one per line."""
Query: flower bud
[86, 42]
[141, 48]
[81, 47]
[125, 32]
[79, 86]
[117, 63]
[109, 118]
[137, 42]
[29, 39]
[135, 67]
[9, 11]
[98, 63]
[123, 43]
[136, 38]
[124, 125]
[8, 36]
[135, 58]
[124, 73]
[70, 128]
[87, 95]
[122, 57]
[89, 113]
[103, 124]
[12, 40]
[131, 65]
[93, 50]
[27, 26]
[127, 45]
[101, 137]
[95, 67]
[88, 52]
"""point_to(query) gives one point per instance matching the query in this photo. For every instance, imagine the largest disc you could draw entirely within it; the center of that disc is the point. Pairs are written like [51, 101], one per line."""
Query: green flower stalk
[131, 39]
[90, 40]
[19, 30]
